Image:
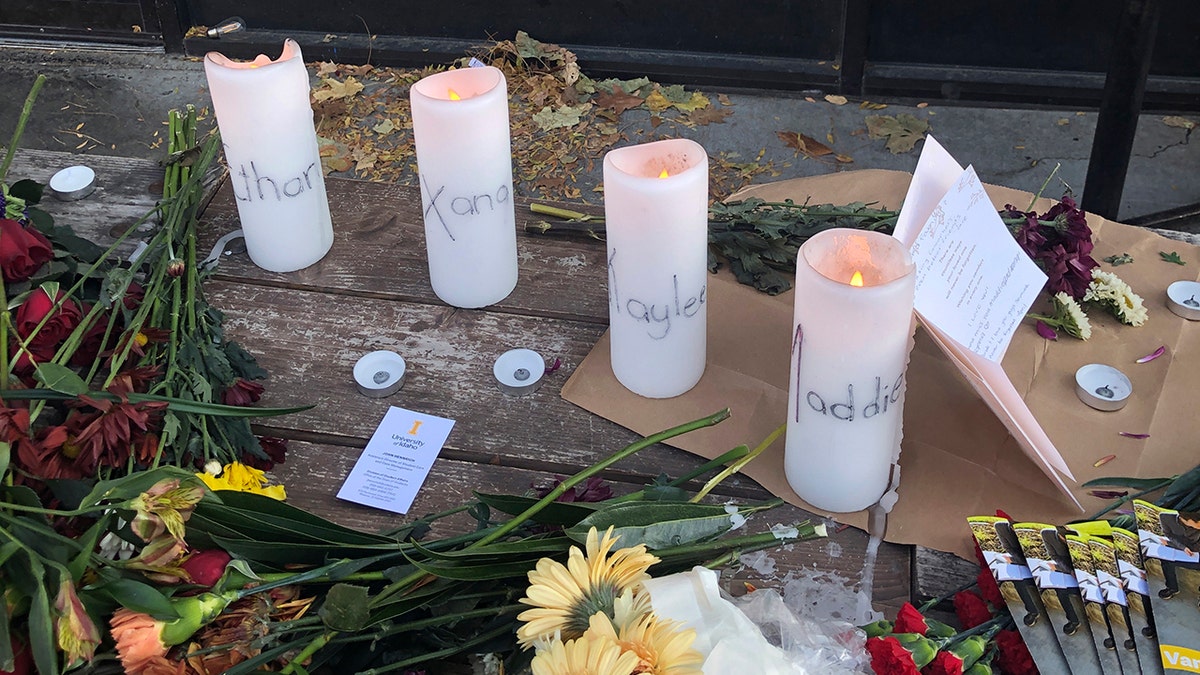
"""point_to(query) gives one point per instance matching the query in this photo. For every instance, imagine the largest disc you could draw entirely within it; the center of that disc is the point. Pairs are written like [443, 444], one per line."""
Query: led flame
[664, 174]
[857, 279]
[454, 95]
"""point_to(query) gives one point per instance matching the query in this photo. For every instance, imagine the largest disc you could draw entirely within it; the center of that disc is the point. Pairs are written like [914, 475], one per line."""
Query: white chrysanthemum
[1109, 291]
[1131, 309]
[1072, 317]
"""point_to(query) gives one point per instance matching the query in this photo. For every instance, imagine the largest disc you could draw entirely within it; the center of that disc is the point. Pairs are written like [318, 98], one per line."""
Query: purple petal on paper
[1046, 331]
[554, 366]
[1108, 494]
[1153, 355]
[1127, 434]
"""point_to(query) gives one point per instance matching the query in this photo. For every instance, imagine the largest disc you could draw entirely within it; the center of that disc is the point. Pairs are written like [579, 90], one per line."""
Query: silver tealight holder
[1102, 387]
[519, 372]
[380, 373]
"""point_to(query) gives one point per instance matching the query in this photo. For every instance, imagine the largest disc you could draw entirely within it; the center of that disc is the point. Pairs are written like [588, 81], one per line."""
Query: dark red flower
[988, 587]
[22, 658]
[133, 297]
[594, 489]
[242, 392]
[114, 431]
[275, 449]
[59, 320]
[971, 609]
[23, 250]
[206, 567]
[910, 620]
[889, 657]
[944, 663]
[1013, 656]
[92, 343]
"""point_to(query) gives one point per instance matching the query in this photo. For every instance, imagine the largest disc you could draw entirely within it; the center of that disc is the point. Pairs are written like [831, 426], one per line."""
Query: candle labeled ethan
[656, 220]
[464, 162]
[266, 122]
[851, 335]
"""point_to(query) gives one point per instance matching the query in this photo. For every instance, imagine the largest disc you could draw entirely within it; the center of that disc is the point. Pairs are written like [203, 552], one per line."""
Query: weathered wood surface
[372, 292]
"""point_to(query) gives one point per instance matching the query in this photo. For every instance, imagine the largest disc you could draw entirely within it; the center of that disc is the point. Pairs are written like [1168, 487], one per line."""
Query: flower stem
[737, 466]
[26, 111]
[441, 654]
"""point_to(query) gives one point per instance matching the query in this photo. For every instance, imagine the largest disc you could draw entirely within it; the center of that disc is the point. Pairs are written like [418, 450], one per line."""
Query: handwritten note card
[396, 460]
[973, 280]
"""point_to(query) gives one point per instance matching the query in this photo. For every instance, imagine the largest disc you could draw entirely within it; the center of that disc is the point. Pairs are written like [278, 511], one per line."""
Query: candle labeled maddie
[266, 124]
[656, 219]
[851, 336]
[461, 132]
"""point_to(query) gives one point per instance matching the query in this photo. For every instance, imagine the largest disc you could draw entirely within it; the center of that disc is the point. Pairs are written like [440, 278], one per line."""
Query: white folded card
[974, 285]
[396, 460]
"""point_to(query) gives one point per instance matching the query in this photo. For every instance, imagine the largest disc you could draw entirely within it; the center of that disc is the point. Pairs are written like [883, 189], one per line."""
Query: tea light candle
[656, 219]
[851, 336]
[1102, 387]
[464, 158]
[1183, 298]
[266, 124]
[380, 373]
[519, 371]
[73, 182]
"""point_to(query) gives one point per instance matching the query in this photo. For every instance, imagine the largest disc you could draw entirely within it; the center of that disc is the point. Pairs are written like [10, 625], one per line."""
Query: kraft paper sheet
[957, 458]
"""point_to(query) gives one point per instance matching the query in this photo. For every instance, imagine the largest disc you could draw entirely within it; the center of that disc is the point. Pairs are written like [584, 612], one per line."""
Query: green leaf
[181, 405]
[345, 608]
[480, 571]
[70, 491]
[243, 362]
[7, 658]
[128, 487]
[87, 544]
[286, 513]
[505, 550]
[5, 455]
[60, 378]
[1125, 482]
[139, 597]
[40, 626]
[41, 220]
[656, 524]
[1172, 257]
[28, 190]
[554, 513]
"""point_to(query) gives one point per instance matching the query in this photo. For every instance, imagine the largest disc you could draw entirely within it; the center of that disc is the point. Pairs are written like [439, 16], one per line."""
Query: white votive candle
[656, 219]
[266, 124]
[851, 336]
[464, 157]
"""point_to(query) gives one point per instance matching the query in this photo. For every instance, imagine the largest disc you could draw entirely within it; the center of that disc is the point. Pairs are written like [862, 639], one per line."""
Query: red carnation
[1013, 656]
[888, 657]
[971, 609]
[23, 250]
[944, 663]
[910, 620]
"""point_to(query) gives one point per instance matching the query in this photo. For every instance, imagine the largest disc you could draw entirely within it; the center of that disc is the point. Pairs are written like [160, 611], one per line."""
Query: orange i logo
[416, 425]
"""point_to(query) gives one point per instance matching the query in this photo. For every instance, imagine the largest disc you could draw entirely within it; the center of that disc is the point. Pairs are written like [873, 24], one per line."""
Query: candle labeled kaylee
[266, 122]
[656, 219]
[461, 132]
[851, 335]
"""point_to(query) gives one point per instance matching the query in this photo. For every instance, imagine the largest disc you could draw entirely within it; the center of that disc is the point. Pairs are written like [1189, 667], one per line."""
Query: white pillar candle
[851, 336]
[464, 157]
[266, 124]
[656, 219]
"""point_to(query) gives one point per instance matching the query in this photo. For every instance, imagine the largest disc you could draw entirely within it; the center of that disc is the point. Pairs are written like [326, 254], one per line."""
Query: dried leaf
[804, 144]
[695, 102]
[709, 115]
[1062, 121]
[902, 131]
[1127, 434]
[326, 68]
[566, 116]
[922, 104]
[723, 99]
[1179, 122]
[656, 102]
[335, 156]
[836, 99]
[1118, 260]
[871, 105]
[618, 101]
[1104, 460]
[331, 89]
[384, 127]
[675, 93]
[1153, 355]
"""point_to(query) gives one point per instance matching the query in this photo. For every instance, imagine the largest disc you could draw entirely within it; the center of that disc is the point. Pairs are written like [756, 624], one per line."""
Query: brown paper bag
[957, 459]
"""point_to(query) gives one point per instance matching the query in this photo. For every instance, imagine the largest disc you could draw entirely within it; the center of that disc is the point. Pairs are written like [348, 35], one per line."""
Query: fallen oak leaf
[902, 131]
[696, 101]
[618, 101]
[708, 115]
[656, 102]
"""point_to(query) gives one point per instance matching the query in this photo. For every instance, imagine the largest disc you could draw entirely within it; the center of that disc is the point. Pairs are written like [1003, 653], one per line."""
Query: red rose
[23, 250]
[910, 620]
[57, 327]
[971, 609]
[944, 663]
[206, 567]
[1013, 656]
[889, 657]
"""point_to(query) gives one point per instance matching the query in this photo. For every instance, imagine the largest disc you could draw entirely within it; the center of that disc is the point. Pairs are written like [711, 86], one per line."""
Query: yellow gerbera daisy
[660, 644]
[588, 655]
[565, 597]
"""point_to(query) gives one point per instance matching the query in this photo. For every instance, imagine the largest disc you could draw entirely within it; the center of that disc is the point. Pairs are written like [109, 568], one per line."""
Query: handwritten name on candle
[657, 316]
[469, 205]
[846, 411]
[279, 188]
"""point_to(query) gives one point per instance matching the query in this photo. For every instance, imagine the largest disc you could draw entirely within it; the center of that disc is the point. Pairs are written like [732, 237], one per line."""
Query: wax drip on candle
[857, 279]
[453, 95]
